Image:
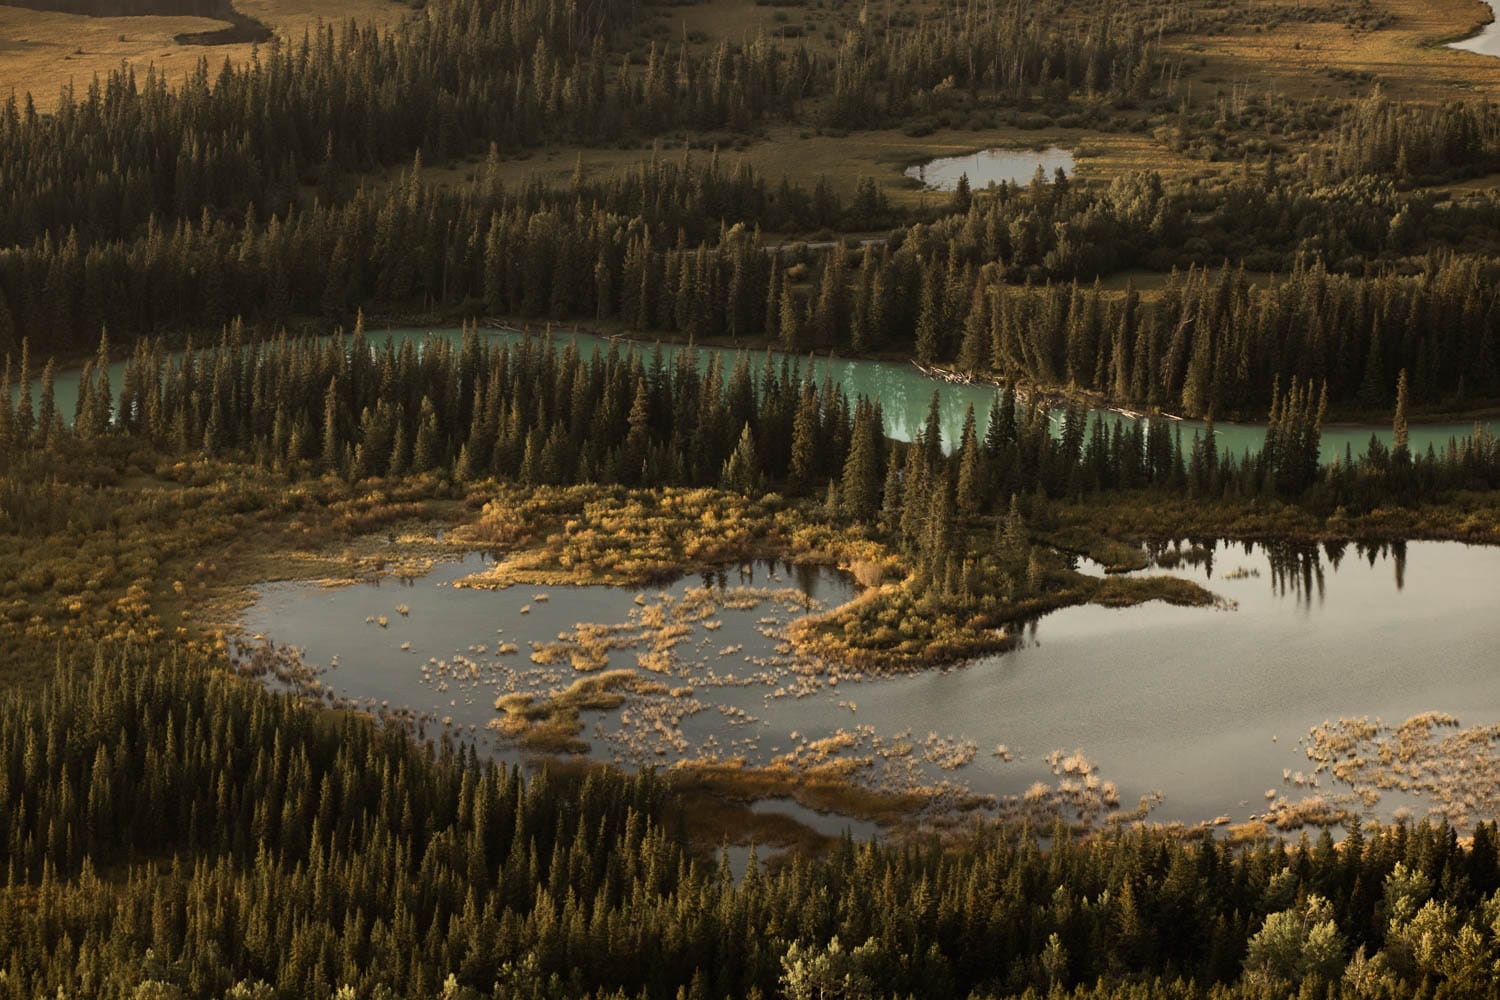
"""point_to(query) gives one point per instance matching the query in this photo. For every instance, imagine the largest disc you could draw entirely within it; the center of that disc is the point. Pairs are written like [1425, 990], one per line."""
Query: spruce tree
[1399, 448]
[805, 464]
[25, 417]
[861, 478]
[741, 471]
[971, 472]
[789, 319]
[333, 438]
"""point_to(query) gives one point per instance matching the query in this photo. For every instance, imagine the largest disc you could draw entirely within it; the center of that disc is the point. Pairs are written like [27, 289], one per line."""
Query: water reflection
[991, 166]
[1296, 569]
[1205, 705]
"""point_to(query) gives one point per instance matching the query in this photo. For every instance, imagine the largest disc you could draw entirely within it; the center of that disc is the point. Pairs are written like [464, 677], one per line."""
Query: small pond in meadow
[991, 166]
[1211, 708]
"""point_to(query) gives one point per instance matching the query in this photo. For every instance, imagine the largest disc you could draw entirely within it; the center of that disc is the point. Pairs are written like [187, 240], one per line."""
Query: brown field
[1407, 56]
[41, 52]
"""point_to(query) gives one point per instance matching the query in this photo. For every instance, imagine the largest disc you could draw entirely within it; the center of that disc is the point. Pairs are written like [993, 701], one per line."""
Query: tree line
[675, 246]
[540, 412]
[460, 77]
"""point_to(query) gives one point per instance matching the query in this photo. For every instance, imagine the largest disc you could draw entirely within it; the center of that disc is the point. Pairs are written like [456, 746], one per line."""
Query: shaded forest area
[170, 832]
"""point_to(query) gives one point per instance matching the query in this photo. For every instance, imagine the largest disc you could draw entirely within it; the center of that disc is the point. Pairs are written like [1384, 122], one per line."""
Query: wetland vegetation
[506, 663]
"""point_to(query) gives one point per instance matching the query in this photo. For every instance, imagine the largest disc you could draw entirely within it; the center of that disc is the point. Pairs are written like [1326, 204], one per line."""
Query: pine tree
[427, 452]
[932, 431]
[1399, 449]
[971, 473]
[963, 195]
[637, 438]
[775, 292]
[741, 471]
[333, 438]
[47, 416]
[789, 318]
[805, 465]
[25, 422]
[861, 478]
[1015, 526]
[929, 319]
[7, 415]
[101, 400]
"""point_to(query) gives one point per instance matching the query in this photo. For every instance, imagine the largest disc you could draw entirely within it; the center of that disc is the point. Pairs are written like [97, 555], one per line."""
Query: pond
[991, 166]
[1212, 709]
[1486, 41]
[904, 394]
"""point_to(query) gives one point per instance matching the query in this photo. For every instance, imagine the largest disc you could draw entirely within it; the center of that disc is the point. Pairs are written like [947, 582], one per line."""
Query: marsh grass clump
[822, 788]
[1314, 810]
[903, 617]
[551, 722]
[612, 535]
[1429, 755]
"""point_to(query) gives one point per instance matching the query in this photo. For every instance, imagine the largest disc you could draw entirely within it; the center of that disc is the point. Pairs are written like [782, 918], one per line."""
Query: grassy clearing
[42, 52]
[805, 154]
[1406, 55]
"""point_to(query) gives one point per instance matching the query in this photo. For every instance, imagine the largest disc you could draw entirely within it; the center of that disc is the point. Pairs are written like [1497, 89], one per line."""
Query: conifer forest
[776, 499]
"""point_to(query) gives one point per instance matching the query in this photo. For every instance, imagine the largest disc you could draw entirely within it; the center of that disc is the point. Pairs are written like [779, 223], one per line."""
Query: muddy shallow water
[1207, 707]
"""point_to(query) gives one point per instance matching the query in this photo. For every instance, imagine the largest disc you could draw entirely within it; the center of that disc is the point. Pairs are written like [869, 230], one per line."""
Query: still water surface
[1205, 706]
[991, 166]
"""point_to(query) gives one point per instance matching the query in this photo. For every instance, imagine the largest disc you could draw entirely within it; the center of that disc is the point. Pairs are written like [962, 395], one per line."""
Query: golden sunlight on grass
[42, 52]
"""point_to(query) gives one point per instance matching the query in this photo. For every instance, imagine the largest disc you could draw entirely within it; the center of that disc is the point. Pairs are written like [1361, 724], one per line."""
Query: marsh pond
[1330, 682]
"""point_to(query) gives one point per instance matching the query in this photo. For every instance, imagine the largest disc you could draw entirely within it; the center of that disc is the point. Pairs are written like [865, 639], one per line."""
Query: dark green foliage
[538, 412]
[171, 830]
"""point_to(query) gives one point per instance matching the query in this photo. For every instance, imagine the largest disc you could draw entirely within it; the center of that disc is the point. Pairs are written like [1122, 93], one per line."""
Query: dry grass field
[1407, 55]
[41, 52]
